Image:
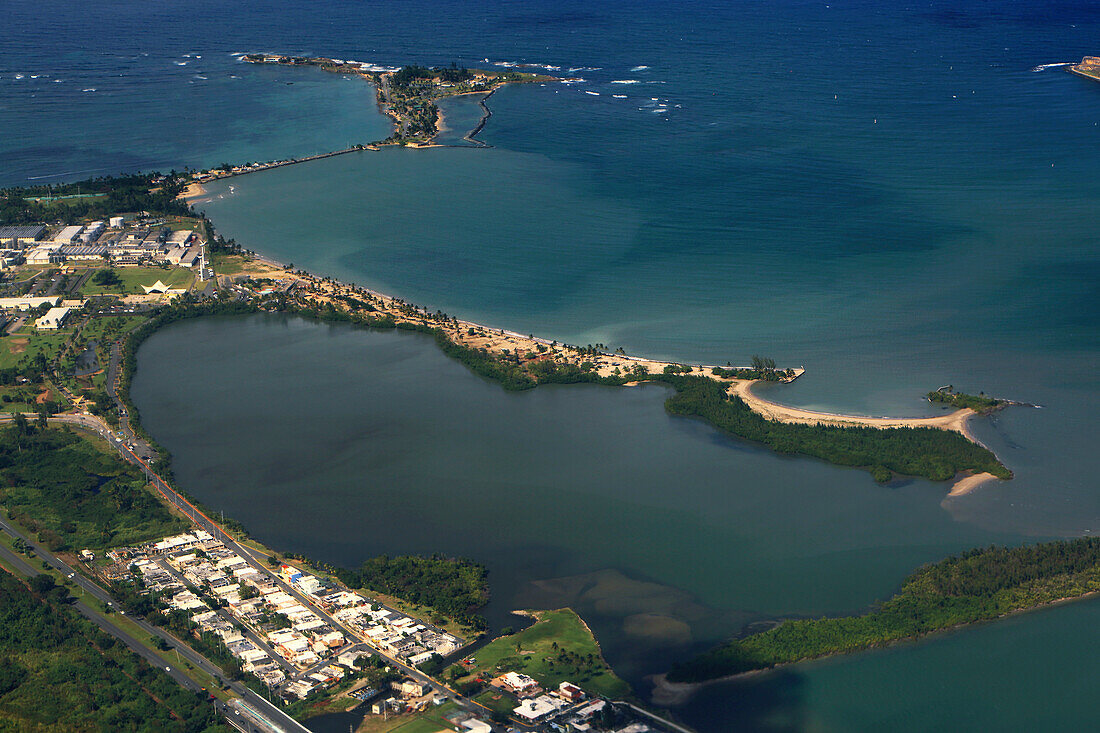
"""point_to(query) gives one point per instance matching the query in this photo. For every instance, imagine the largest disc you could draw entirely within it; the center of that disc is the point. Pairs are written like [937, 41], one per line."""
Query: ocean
[895, 197]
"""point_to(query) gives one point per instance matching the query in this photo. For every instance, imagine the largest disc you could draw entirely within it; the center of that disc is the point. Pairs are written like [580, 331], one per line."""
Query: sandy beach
[516, 346]
[193, 191]
[968, 484]
[956, 421]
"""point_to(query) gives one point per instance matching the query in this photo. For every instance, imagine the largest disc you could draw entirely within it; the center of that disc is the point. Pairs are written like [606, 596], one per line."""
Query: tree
[107, 278]
[762, 363]
[42, 584]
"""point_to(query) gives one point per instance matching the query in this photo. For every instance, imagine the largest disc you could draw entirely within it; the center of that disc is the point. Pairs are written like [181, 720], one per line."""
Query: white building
[538, 709]
[68, 235]
[43, 256]
[53, 319]
[29, 303]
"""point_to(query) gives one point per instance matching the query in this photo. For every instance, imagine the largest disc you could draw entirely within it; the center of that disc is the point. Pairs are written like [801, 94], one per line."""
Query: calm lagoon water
[342, 443]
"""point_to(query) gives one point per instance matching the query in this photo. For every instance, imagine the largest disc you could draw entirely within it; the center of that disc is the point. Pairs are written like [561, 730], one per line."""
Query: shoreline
[500, 341]
[968, 484]
[957, 421]
[675, 694]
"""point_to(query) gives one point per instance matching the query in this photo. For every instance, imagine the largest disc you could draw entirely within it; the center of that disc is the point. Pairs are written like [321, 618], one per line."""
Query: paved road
[173, 671]
[16, 324]
[114, 364]
[291, 670]
[281, 719]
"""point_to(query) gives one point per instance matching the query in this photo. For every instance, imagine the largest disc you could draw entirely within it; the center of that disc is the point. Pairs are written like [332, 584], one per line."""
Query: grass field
[496, 700]
[24, 398]
[134, 277]
[27, 342]
[558, 647]
[107, 328]
[224, 264]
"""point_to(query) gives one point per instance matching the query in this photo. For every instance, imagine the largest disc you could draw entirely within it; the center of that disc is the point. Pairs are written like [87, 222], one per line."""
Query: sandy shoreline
[503, 342]
[193, 191]
[967, 484]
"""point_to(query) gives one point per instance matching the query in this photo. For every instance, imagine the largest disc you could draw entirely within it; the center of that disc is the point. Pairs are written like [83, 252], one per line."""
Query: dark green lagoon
[342, 443]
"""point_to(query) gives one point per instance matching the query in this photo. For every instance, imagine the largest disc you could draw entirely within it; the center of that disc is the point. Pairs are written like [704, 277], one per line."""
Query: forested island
[979, 403]
[978, 585]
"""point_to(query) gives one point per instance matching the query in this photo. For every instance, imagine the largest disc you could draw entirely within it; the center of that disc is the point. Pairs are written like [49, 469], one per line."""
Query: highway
[98, 426]
[200, 520]
[283, 721]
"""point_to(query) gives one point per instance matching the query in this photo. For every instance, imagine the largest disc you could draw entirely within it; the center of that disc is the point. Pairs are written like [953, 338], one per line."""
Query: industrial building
[68, 235]
[18, 237]
[54, 318]
[29, 303]
[83, 251]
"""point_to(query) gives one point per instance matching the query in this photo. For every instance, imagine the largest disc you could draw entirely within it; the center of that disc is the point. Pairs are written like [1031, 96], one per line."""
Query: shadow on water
[643, 627]
[773, 702]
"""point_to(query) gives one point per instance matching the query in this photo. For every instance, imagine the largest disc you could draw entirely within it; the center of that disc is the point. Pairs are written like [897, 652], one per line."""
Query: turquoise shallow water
[886, 194]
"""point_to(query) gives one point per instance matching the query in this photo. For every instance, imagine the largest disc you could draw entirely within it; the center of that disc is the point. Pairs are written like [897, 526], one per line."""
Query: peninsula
[939, 448]
[978, 585]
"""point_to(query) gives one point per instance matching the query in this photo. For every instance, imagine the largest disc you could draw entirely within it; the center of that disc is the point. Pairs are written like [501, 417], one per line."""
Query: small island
[980, 403]
[1089, 67]
[408, 94]
[978, 585]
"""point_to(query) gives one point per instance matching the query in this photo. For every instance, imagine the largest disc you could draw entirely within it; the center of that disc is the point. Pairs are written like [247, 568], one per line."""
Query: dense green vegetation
[977, 585]
[74, 495]
[929, 452]
[557, 648]
[59, 672]
[137, 192]
[979, 403]
[456, 587]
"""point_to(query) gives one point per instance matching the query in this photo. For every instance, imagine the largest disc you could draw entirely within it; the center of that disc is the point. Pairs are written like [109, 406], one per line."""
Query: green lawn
[28, 341]
[423, 724]
[108, 328]
[496, 700]
[228, 264]
[24, 397]
[134, 277]
[557, 648]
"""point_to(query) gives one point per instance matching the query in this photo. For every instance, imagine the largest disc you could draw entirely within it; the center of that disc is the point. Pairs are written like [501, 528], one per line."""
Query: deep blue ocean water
[895, 195]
